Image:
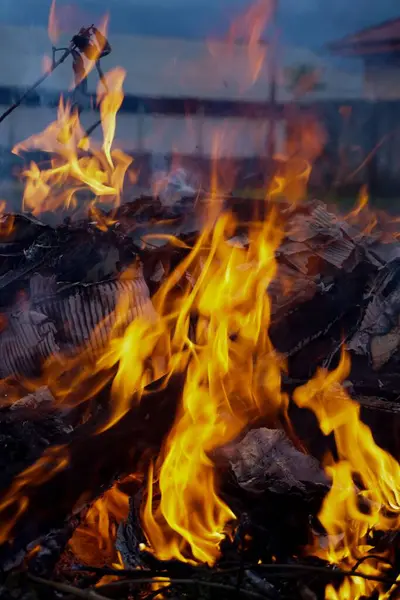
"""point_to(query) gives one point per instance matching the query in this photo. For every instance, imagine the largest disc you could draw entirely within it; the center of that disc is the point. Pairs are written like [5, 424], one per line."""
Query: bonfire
[194, 414]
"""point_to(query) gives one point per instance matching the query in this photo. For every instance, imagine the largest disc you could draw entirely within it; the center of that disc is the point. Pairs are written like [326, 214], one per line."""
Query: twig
[131, 573]
[258, 582]
[195, 582]
[90, 129]
[373, 556]
[155, 593]
[87, 594]
[15, 105]
[283, 570]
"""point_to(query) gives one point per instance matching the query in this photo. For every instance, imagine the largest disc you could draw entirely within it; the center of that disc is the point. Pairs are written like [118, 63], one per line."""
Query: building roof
[377, 39]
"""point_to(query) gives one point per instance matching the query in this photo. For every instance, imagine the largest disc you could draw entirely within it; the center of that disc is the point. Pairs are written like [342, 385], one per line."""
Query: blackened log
[28, 427]
[94, 462]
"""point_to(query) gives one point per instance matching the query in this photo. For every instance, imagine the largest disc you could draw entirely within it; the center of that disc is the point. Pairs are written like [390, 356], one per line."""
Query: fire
[233, 376]
[15, 502]
[100, 527]
[110, 104]
[53, 25]
[213, 328]
[352, 511]
[73, 170]
[6, 221]
[250, 27]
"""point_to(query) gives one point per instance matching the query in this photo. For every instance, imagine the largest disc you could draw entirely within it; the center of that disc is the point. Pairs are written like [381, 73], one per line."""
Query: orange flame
[53, 24]
[215, 330]
[109, 106]
[100, 171]
[348, 514]
[100, 526]
[15, 502]
[233, 376]
[250, 28]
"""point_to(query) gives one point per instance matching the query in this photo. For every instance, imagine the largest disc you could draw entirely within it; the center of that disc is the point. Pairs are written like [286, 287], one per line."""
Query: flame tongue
[348, 514]
[232, 377]
[100, 171]
[215, 331]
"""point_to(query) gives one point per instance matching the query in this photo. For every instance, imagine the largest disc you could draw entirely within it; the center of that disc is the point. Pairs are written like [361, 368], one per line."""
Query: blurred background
[243, 81]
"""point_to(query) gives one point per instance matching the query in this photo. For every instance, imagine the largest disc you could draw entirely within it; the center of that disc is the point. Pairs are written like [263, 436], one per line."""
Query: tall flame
[349, 514]
[233, 376]
[250, 28]
[213, 327]
[53, 24]
[72, 169]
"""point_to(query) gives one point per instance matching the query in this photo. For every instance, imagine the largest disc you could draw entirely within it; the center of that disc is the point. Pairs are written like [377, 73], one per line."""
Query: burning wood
[185, 363]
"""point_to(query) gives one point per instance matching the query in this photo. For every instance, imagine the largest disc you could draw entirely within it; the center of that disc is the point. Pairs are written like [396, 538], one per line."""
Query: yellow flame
[100, 525]
[100, 171]
[233, 376]
[214, 329]
[349, 513]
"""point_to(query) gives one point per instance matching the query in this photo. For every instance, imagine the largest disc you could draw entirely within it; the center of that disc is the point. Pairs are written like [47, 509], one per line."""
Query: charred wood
[91, 461]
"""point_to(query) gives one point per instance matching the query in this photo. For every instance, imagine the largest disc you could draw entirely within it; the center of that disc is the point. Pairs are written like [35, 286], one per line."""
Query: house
[182, 97]
[378, 47]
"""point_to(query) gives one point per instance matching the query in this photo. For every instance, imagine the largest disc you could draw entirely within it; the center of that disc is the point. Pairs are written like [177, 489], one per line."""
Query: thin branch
[131, 573]
[155, 593]
[87, 594]
[376, 557]
[176, 581]
[277, 570]
[282, 570]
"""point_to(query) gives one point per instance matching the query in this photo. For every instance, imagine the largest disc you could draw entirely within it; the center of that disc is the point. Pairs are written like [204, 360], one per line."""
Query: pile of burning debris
[64, 447]
[199, 394]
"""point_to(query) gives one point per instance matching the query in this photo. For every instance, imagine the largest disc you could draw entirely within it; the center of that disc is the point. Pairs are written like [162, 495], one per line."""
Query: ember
[211, 411]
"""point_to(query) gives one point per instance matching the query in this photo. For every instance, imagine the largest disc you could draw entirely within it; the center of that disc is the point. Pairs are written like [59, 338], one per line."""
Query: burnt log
[78, 467]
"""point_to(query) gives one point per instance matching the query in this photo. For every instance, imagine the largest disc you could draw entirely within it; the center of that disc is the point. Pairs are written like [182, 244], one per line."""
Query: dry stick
[277, 570]
[376, 557]
[90, 129]
[177, 581]
[280, 572]
[87, 594]
[63, 57]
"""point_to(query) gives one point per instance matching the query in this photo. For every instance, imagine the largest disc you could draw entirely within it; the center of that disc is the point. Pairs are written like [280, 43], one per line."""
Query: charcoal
[95, 460]
[130, 536]
[36, 400]
[289, 289]
[27, 428]
[265, 459]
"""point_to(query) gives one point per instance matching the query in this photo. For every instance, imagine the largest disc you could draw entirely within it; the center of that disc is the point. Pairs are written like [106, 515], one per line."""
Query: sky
[310, 23]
